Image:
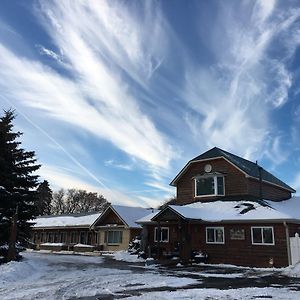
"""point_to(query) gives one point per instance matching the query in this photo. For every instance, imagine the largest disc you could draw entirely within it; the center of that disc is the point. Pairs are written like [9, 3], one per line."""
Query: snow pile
[125, 256]
[52, 244]
[15, 271]
[292, 271]
[83, 246]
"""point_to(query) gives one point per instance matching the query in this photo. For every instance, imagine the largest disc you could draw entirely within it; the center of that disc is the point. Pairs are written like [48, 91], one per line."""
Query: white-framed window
[113, 237]
[215, 235]
[262, 235]
[161, 235]
[209, 185]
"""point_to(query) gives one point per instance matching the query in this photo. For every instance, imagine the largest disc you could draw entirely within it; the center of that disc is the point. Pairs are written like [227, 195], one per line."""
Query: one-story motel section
[229, 209]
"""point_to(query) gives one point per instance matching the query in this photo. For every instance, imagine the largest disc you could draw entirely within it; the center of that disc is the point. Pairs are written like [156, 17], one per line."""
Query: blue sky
[116, 96]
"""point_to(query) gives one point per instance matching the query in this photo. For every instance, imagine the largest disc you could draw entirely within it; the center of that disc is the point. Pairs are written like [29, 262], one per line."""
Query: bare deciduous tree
[76, 201]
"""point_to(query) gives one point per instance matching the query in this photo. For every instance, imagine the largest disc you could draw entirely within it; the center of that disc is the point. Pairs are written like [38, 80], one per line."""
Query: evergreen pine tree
[18, 183]
[44, 195]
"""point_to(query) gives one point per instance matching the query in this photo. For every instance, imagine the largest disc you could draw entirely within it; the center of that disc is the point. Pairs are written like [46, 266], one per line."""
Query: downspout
[288, 246]
[260, 183]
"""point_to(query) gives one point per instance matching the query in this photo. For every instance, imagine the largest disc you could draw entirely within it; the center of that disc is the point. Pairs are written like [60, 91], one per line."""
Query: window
[113, 237]
[35, 237]
[215, 235]
[45, 239]
[63, 237]
[262, 235]
[56, 237]
[82, 238]
[209, 186]
[51, 237]
[74, 238]
[89, 238]
[161, 235]
[96, 237]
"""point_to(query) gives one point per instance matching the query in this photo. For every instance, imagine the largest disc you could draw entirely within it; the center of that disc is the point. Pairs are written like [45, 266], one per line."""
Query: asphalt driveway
[57, 276]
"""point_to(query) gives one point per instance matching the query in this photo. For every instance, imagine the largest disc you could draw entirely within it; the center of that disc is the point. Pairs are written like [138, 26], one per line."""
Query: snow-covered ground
[125, 256]
[51, 276]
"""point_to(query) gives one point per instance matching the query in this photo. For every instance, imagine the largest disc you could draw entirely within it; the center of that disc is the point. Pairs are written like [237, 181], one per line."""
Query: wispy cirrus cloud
[232, 99]
[159, 186]
[112, 163]
[122, 74]
[95, 98]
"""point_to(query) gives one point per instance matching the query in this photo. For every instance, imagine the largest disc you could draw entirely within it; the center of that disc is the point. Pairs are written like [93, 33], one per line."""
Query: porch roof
[148, 218]
[219, 211]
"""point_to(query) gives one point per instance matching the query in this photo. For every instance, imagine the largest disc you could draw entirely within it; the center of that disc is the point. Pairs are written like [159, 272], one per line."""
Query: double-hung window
[113, 237]
[161, 234]
[209, 185]
[215, 235]
[262, 235]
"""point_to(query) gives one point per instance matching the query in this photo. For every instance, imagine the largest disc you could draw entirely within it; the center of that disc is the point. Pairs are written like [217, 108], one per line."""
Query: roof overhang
[61, 227]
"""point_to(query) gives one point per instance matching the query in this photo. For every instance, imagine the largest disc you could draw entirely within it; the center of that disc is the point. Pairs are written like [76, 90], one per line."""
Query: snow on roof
[66, 220]
[130, 214]
[241, 210]
[148, 217]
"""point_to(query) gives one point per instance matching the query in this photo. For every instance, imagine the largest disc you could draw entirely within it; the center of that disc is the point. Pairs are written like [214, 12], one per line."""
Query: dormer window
[209, 185]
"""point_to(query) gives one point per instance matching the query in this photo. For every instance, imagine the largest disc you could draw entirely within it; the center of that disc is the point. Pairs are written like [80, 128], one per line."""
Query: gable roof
[147, 219]
[248, 167]
[222, 211]
[70, 220]
[127, 214]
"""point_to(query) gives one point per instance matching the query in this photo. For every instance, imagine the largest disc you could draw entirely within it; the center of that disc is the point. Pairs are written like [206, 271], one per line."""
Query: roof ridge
[82, 214]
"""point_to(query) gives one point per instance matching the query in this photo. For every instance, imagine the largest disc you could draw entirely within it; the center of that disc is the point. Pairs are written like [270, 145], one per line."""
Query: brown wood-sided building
[228, 210]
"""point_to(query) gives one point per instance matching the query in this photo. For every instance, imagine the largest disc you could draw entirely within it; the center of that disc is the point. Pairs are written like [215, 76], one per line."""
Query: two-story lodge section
[218, 174]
